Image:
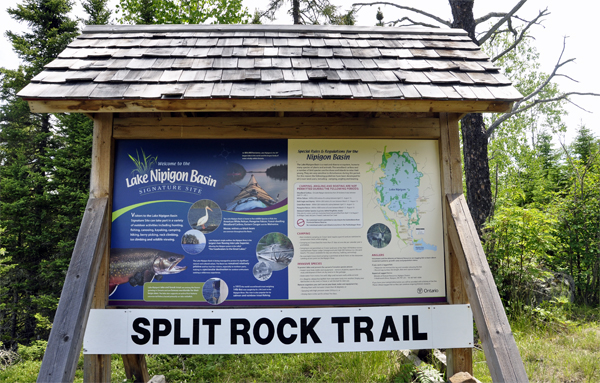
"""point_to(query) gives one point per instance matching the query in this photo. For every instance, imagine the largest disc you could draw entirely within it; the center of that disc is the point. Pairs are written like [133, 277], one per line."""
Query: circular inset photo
[276, 250]
[193, 242]
[205, 216]
[262, 271]
[215, 291]
[379, 235]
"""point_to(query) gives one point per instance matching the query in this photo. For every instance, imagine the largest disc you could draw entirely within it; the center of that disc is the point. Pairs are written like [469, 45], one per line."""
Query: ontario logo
[427, 291]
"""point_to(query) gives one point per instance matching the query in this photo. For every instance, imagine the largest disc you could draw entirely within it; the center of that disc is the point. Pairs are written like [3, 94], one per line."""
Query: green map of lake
[398, 191]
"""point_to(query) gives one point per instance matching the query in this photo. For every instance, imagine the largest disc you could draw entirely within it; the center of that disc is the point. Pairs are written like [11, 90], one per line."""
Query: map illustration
[401, 198]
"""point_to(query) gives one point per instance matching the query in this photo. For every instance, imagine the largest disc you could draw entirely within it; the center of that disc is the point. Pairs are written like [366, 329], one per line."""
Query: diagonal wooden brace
[502, 354]
[66, 337]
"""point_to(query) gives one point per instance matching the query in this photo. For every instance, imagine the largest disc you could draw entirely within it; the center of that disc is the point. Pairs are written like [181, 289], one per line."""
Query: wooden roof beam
[267, 105]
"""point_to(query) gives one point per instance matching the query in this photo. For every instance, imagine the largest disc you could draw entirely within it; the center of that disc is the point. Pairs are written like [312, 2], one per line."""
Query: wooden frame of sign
[469, 279]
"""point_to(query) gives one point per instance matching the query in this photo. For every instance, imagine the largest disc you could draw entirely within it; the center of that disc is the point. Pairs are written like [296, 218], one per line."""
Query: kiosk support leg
[135, 367]
[96, 368]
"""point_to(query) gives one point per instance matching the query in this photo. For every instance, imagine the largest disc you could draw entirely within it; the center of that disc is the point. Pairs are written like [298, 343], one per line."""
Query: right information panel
[366, 221]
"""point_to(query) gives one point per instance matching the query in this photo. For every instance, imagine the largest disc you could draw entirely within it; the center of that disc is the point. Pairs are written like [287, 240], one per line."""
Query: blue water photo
[193, 242]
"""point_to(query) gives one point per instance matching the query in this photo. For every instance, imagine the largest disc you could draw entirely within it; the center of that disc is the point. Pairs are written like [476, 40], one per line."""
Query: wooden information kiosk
[251, 171]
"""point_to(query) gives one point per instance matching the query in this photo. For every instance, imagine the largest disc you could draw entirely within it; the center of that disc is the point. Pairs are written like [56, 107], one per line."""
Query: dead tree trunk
[477, 171]
[296, 11]
[475, 142]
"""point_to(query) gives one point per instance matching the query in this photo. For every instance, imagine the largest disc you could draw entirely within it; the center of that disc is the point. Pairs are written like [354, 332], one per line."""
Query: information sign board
[276, 222]
[249, 331]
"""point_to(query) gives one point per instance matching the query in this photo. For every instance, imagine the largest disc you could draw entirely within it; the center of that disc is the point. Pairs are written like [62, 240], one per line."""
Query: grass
[558, 351]
[382, 366]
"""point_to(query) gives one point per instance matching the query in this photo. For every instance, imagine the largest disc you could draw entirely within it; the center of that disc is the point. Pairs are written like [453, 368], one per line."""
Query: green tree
[521, 158]
[311, 12]
[475, 133]
[183, 12]
[98, 12]
[29, 203]
[579, 214]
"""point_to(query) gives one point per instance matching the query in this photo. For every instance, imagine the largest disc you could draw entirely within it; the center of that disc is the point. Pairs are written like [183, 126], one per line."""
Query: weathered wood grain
[265, 105]
[97, 367]
[66, 337]
[450, 159]
[274, 127]
[135, 368]
[502, 354]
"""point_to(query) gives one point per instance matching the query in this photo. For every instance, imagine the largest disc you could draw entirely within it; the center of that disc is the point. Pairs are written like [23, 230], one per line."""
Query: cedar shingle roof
[267, 61]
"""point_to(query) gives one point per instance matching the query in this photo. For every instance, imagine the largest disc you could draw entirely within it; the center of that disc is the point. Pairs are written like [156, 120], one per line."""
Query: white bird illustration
[204, 219]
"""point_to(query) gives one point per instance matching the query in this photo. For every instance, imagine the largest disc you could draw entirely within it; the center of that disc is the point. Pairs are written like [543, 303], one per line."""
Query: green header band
[120, 212]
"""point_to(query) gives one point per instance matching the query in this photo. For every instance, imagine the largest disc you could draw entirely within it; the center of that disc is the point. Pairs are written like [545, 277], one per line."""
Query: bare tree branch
[501, 21]
[489, 16]
[523, 105]
[514, 111]
[431, 16]
[412, 22]
[522, 34]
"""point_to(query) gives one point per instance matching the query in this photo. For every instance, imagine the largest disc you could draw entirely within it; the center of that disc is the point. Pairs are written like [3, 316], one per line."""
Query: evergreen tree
[29, 204]
[311, 12]
[583, 146]
[183, 12]
[98, 12]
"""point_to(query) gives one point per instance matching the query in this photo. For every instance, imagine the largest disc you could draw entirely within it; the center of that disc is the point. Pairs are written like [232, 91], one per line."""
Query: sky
[566, 18]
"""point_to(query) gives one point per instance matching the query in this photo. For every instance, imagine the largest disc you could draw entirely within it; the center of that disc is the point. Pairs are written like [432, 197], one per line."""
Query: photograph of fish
[139, 266]
[193, 241]
[379, 235]
[276, 250]
[205, 215]
[215, 291]
[262, 271]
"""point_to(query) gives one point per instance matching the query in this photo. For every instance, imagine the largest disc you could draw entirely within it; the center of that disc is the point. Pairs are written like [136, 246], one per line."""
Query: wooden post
[66, 337]
[97, 367]
[458, 359]
[135, 368]
[499, 345]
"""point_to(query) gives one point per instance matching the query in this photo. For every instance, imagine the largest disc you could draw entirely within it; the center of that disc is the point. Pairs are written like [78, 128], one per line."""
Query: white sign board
[252, 331]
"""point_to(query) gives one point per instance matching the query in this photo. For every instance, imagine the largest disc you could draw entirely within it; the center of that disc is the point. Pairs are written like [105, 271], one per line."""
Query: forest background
[544, 225]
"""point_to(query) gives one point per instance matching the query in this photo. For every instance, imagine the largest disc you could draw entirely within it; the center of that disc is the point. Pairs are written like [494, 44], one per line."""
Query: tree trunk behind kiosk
[296, 11]
[475, 142]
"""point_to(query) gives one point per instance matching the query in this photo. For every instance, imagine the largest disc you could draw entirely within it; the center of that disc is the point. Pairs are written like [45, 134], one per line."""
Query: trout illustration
[138, 266]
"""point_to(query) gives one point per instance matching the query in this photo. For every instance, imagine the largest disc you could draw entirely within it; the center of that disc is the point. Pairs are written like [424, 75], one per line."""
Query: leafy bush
[519, 243]
[34, 352]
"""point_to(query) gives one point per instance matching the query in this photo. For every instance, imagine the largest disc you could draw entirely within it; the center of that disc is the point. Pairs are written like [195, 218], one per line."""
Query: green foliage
[547, 202]
[33, 352]
[579, 214]
[98, 12]
[405, 373]
[44, 179]
[518, 242]
[324, 367]
[571, 354]
[426, 373]
[182, 12]
[51, 30]
[312, 12]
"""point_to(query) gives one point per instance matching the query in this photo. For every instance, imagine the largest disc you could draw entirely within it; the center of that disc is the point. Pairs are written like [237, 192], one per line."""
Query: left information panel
[196, 215]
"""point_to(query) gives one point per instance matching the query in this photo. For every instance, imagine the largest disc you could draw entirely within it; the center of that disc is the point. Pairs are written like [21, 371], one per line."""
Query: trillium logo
[419, 291]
